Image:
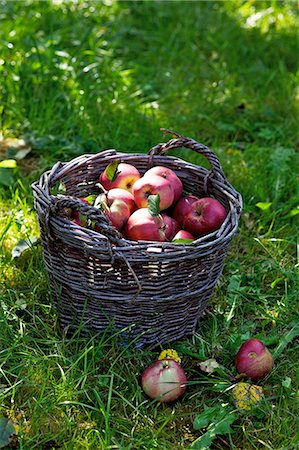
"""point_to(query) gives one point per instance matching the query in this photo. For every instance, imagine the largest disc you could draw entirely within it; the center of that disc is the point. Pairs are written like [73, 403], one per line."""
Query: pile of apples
[152, 206]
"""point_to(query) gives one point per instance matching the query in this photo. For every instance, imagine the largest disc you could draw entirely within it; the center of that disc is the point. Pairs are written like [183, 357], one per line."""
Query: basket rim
[44, 199]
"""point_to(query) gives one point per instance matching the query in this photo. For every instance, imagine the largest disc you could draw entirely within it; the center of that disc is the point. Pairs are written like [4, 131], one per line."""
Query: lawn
[80, 77]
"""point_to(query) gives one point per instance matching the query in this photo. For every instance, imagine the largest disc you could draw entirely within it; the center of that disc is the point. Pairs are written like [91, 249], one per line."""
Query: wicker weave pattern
[156, 291]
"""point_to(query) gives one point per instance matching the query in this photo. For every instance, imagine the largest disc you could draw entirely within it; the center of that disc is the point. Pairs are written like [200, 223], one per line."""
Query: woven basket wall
[152, 292]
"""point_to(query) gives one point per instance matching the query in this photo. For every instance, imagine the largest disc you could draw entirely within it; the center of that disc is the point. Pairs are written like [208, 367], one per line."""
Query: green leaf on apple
[182, 241]
[90, 198]
[112, 170]
[154, 205]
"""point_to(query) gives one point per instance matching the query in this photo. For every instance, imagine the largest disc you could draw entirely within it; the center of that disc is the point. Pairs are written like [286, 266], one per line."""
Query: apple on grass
[182, 207]
[154, 185]
[143, 226]
[164, 380]
[204, 216]
[169, 175]
[171, 226]
[119, 175]
[254, 360]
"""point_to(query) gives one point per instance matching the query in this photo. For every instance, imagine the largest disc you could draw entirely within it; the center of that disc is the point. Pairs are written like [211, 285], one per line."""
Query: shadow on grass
[207, 73]
[79, 77]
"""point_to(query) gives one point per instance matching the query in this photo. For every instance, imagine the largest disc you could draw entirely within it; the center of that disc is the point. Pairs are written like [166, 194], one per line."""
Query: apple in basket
[171, 226]
[169, 175]
[183, 235]
[77, 217]
[204, 216]
[119, 175]
[143, 226]
[117, 210]
[182, 207]
[154, 185]
[121, 194]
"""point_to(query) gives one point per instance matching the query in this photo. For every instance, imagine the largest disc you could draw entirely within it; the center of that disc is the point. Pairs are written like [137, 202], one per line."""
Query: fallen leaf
[246, 395]
[209, 366]
[23, 245]
[14, 148]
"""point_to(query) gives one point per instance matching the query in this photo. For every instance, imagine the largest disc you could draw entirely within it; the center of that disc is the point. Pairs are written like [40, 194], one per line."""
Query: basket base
[161, 328]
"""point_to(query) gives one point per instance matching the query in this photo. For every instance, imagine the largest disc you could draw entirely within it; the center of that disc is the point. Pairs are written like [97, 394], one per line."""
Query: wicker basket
[152, 292]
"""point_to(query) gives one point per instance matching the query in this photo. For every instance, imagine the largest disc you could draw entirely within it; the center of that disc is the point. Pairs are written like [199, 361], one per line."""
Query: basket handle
[58, 203]
[182, 141]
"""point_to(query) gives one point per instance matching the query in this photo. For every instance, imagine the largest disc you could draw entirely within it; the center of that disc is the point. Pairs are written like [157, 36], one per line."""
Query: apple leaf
[182, 241]
[90, 199]
[154, 204]
[112, 170]
[7, 430]
[58, 188]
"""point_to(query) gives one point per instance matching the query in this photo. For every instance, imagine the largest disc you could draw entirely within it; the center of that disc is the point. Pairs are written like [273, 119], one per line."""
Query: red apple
[171, 226]
[146, 186]
[77, 221]
[254, 359]
[204, 216]
[164, 380]
[169, 175]
[142, 226]
[79, 218]
[121, 194]
[125, 177]
[182, 207]
[183, 234]
[118, 213]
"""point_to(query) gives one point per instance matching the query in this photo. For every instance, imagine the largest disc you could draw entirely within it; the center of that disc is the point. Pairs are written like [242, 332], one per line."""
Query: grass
[77, 77]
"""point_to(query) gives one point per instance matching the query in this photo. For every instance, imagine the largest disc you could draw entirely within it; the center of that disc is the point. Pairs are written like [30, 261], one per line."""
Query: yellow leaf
[246, 395]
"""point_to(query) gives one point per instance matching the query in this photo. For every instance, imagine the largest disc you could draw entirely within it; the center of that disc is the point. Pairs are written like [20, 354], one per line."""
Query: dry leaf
[209, 365]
